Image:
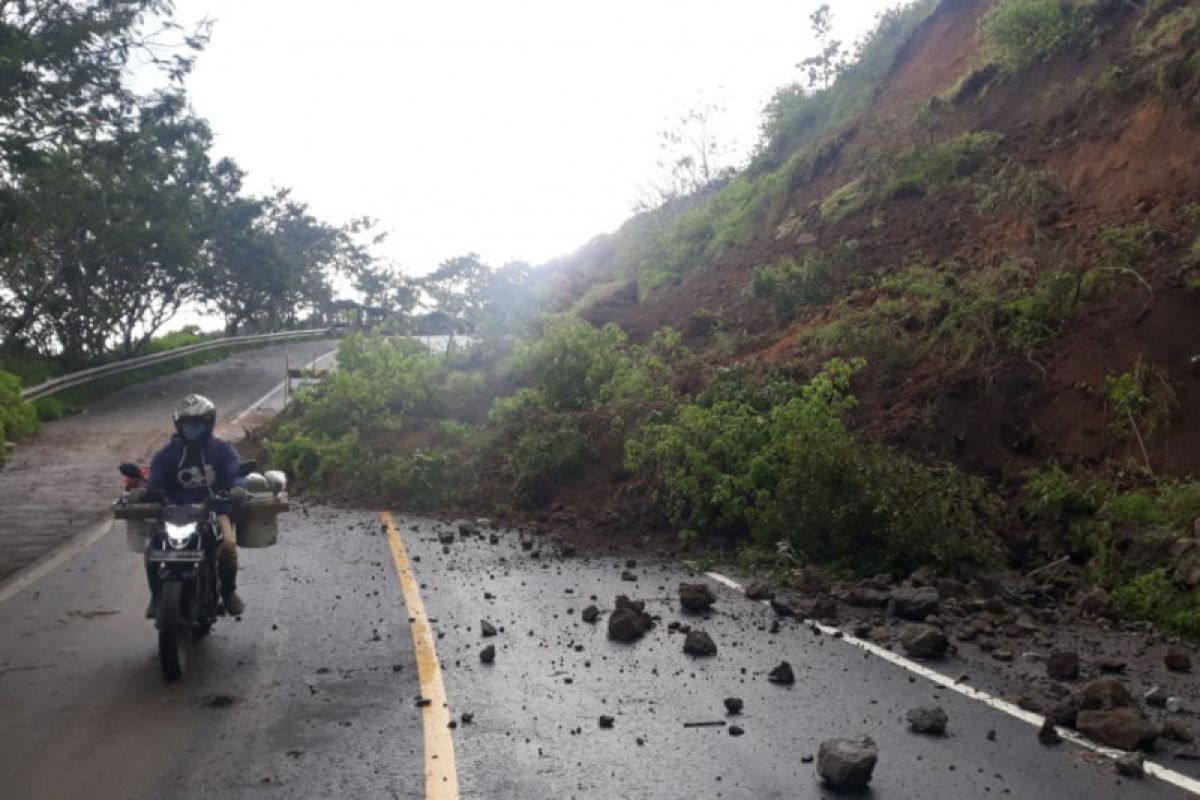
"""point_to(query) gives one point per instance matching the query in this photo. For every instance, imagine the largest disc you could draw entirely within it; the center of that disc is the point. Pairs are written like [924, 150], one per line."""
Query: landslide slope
[1003, 221]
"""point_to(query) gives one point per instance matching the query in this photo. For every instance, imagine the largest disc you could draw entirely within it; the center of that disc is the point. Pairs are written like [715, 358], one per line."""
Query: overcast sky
[513, 129]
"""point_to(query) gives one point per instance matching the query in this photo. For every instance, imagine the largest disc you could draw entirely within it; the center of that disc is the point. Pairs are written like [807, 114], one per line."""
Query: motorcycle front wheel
[173, 630]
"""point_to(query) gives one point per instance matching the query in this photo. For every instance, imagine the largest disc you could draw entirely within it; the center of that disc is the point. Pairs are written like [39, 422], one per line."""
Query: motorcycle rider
[193, 466]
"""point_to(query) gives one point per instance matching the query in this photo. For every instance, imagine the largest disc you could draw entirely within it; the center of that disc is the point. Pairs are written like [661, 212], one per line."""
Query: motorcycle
[181, 550]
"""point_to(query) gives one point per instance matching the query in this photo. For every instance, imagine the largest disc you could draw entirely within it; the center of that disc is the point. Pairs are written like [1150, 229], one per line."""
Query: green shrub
[378, 385]
[572, 362]
[795, 474]
[1155, 598]
[17, 418]
[428, 478]
[790, 286]
[916, 171]
[1054, 494]
[1019, 34]
[1126, 247]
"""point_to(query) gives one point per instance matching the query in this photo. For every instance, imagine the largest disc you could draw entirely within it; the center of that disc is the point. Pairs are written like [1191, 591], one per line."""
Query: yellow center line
[441, 774]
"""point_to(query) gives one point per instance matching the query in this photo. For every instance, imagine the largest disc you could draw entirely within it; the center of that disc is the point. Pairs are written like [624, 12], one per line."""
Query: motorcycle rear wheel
[173, 631]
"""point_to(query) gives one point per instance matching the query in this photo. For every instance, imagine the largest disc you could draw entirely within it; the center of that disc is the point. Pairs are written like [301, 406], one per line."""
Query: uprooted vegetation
[953, 275]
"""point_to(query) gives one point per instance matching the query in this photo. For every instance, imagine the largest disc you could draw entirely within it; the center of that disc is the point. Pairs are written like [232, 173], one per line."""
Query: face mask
[193, 431]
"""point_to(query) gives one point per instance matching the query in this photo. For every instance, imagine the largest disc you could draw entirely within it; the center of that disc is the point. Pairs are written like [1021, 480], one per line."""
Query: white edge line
[39, 569]
[1152, 768]
[52, 560]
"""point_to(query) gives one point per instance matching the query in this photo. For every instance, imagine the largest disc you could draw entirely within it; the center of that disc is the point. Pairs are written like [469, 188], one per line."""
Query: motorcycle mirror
[131, 470]
[247, 467]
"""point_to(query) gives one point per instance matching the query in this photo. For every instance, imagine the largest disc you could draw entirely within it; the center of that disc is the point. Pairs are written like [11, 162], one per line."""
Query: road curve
[59, 484]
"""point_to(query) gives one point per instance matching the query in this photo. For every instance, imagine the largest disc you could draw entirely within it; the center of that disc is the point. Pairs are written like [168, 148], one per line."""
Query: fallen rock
[446, 537]
[493, 538]
[487, 628]
[1063, 665]
[696, 597]
[591, 614]
[1177, 660]
[699, 643]
[606, 721]
[867, 597]
[914, 604]
[1104, 693]
[734, 705]
[759, 591]
[624, 602]
[847, 763]
[628, 576]
[1048, 734]
[1176, 731]
[1156, 696]
[924, 641]
[627, 624]
[782, 609]
[820, 608]
[468, 529]
[1131, 765]
[927, 719]
[1122, 728]
[1185, 555]
[1095, 602]
[488, 654]
[736, 730]
[782, 674]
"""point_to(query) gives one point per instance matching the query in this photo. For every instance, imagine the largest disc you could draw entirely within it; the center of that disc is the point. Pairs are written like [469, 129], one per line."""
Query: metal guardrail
[82, 377]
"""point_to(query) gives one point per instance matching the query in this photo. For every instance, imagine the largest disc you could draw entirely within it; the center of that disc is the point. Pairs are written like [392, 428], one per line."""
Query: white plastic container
[257, 520]
[137, 533]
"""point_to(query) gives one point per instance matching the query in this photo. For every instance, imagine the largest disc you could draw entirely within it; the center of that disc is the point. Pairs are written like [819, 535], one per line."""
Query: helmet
[194, 417]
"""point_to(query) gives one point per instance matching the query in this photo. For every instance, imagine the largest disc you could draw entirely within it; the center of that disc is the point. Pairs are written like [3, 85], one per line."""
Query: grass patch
[1020, 34]
[791, 286]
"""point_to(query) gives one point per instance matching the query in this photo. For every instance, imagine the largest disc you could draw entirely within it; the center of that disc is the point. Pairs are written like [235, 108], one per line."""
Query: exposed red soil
[1121, 162]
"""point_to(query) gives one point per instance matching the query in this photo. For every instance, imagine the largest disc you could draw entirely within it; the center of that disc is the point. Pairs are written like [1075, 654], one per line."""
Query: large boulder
[1122, 728]
[1177, 659]
[847, 763]
[924, 642]
[914, 603]
[1103, 694]
[629, 621]
[696, 597]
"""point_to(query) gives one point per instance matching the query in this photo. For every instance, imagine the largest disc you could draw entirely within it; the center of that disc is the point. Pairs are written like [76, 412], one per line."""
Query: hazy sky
[514, 129]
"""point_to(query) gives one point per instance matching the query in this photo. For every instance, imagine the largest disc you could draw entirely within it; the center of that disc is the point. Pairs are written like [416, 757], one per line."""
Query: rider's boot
[227, 565]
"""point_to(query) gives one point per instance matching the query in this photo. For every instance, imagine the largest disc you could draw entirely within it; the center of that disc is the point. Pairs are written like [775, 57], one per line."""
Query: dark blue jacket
[185, 472]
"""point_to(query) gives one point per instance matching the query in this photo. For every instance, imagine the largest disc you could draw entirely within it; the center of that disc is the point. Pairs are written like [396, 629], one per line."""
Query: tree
[102, 239]
[458, 288]
[823, 67]
[63, 67]
[692, 157]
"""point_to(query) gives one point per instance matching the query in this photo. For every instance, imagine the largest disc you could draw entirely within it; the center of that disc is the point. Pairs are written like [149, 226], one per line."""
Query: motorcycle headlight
[179, 535]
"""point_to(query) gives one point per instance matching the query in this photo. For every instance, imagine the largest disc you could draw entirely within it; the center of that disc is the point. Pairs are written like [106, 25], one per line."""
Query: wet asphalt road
[536, 735]
[312, 693]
